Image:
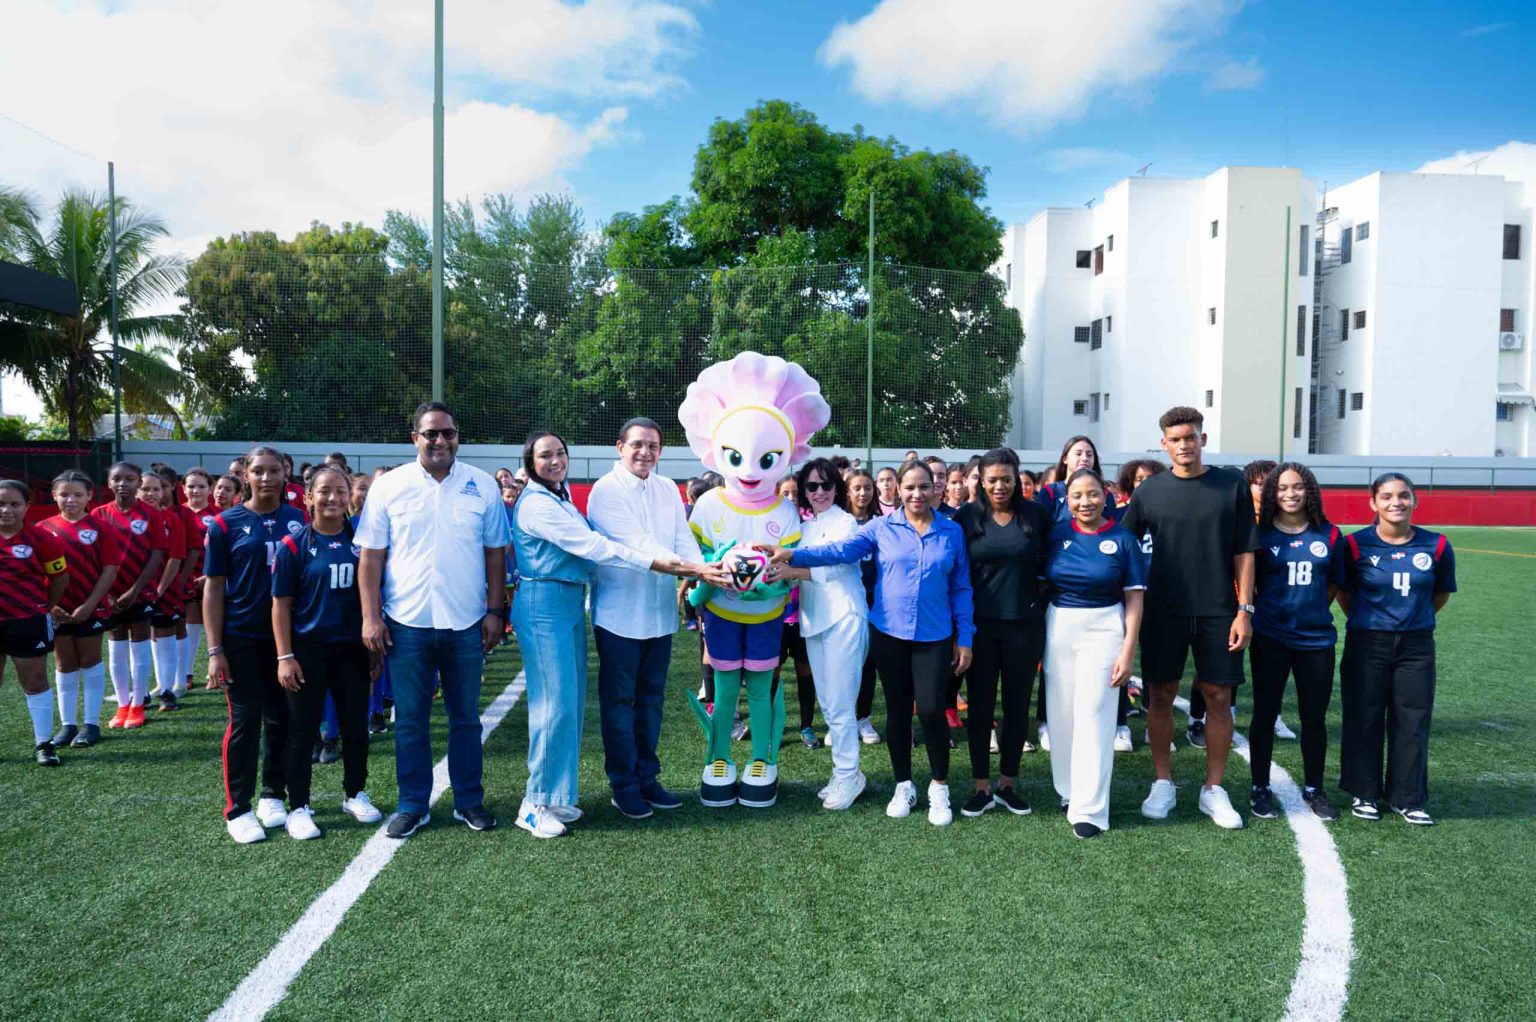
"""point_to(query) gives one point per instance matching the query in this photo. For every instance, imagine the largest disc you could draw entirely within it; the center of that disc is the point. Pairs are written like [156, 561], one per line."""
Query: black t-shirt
[1006, 561]
[1194, 527]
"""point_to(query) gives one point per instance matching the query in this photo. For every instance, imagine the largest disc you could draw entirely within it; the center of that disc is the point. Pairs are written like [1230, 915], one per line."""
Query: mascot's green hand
[719, 552]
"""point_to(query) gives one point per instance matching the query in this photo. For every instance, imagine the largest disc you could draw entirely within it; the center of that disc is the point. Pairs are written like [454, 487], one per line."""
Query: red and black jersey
[293, 493]
[197, 535]
[140, 532]
[171, 601]
[27, 560]
[88, 548]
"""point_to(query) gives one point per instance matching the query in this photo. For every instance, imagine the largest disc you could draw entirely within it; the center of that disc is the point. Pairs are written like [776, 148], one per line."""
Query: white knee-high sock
[139, 658]
[122, 680]
[93, 682]
[166, 656]
[189, 647]
[67, 685]
[40, 706]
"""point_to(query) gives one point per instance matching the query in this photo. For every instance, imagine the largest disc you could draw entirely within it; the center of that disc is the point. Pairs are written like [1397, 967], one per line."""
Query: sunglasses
[431, 436]
[816, 487]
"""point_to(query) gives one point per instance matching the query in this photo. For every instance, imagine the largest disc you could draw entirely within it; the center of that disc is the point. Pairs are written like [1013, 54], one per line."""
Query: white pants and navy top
[834, 620]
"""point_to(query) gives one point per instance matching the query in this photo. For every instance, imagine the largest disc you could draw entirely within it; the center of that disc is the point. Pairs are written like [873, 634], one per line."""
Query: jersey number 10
[342, 575]
[1300, 573]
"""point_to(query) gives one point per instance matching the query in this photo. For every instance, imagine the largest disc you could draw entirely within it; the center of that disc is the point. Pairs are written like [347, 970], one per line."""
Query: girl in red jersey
[226, 492]
[32, 581]
[192, 554]
[198, 486]
[142, 540]
[81, 620]
[168, 610]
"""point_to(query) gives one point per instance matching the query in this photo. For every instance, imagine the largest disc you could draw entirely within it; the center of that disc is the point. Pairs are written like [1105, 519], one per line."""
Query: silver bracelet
[215, 650]
[287, 656]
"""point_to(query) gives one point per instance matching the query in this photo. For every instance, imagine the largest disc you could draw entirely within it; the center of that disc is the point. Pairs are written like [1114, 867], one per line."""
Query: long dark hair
[1391, 477]
[1269, 497]
[828, 472]
[261, 451]
[978, 509]
[559, 490]
[874, 494]
[1061, 462]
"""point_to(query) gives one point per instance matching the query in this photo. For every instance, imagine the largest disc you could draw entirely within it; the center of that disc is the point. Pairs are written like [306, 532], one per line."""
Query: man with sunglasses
[431, 577]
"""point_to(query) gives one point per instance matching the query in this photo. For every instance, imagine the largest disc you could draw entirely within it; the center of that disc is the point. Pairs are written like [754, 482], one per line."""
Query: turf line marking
[1321, 986]
[268, 983]
[1496, 553]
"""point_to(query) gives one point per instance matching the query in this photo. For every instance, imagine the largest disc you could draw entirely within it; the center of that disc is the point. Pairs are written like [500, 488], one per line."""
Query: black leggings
[866, 701]
[1010, 649]
[793, 645]
[1388, 698]
[342, 670]
[914, 671]
[1272, 662]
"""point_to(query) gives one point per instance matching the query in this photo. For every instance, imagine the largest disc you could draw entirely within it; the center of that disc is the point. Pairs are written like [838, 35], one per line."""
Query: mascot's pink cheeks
[751, 448]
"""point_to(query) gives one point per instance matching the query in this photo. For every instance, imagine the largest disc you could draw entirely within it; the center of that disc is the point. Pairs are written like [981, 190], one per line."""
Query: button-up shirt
[556, 543]
[436, 534]
[646, 515]
[923, 588]
[836, 590]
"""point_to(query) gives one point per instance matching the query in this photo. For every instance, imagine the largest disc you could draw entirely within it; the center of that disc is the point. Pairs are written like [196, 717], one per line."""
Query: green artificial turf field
[128, 901]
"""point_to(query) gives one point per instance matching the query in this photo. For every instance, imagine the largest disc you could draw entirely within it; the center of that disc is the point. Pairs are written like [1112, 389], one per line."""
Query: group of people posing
[310, 594]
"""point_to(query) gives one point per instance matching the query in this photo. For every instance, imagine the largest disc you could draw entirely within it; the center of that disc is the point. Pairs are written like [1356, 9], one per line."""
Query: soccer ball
[746, 567]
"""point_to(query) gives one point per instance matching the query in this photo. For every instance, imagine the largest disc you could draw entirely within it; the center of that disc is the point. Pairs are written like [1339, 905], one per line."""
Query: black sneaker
[1261, 803]
[46, 755]
[475, 818]
[403, 824]
[167, 702]
[89, 735]
[378, 723]
[1010, 799]
[979, 803]
[330, 751]
[1195, 733]
[1417, 817]
[1365, 809]
[67, 733]
[1085, 830]
[1317, 800]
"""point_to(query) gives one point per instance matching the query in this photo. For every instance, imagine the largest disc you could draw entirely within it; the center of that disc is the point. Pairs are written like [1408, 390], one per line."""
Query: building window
[1359, 319]
[1214, 228]
[1109, 243]
[1301, 330]
[1106, 401]
[1511, 241]
[1096, 335]
[1306, 250]
[1098, 260]
[1356, 401]
[1084, 259]
[1346, 245]
[1503, 412]
[1506, 320]
[1210, 399]
[1109, 325]
[1093, 408]
[1363, 231]
[1008, 275]
[1344, 324]
[1210, 315]
[1080, 335]
[1343, 397]
[1296, 417]
[1079, 407]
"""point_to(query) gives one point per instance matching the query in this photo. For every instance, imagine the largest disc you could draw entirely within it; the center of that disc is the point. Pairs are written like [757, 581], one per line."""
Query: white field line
[268, 983]
[1321, 985]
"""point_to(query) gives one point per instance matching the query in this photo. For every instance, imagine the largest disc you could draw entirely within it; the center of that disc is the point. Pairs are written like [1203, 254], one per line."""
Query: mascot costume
[751, 420]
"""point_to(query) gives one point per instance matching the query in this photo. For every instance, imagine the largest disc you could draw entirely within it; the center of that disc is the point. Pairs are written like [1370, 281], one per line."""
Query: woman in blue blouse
[920, 625]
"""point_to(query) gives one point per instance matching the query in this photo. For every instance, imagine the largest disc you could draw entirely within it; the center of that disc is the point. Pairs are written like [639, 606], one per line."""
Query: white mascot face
[752, 447]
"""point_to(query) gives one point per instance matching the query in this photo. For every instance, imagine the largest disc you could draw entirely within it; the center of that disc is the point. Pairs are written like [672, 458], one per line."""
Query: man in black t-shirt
[1197, 524]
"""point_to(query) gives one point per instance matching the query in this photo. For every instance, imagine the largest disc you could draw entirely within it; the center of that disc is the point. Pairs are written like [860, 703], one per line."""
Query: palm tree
[68, 359]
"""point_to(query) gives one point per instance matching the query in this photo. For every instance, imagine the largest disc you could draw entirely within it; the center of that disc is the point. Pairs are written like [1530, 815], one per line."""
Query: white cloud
[1027, 65]
[1073, 158]
[1234, 75]
[1514, 160]
[1477, 30]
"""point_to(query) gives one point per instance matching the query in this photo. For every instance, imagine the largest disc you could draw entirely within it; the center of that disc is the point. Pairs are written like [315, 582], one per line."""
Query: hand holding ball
[746, 567]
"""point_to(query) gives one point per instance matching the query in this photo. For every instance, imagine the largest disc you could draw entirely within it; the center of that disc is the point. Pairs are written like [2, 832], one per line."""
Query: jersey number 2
[342, 575]
[1300, 573]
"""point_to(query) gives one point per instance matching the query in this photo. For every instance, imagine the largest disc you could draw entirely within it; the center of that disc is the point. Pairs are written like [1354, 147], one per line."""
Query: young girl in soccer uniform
[317, 622]
[168, 612]
[143, 542]
[33, 580]
[199, 509]
[94, 560]
[227, 490]
[1398, 578]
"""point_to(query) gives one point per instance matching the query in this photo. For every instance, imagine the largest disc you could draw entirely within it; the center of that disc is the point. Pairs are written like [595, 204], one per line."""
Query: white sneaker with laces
[902, 801]
[301, 825]
[245, 829]
[1123, 742]
[867, 733]
[939, 813]
[1282, 731]
[1045, 739]
[271, 812]
[565, 814]
[1160, 800]
[361, 809]
[842, 793]
[1215, 804]
[538, 820]
[826, 789]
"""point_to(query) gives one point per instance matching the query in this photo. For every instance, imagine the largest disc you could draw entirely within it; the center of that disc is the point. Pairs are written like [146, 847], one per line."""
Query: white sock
[163, 650]
[189, 651]
[122, 681]
[139, 657]
[68, 688]
[40, 706]
[93, 680]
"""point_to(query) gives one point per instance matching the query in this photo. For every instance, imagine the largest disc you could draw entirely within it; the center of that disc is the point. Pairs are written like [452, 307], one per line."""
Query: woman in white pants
[1097, 574]
[833, 621]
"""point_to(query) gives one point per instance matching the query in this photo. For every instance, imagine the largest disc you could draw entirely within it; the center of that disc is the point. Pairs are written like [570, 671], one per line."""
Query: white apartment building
[1425, 296]
[1185, 291]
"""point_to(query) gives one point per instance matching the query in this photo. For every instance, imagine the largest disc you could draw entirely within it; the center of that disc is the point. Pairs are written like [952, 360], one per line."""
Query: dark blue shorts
[733, 646]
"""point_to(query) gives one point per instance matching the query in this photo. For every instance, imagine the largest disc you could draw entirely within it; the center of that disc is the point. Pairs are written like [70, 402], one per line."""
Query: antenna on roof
[1143, 171]
[1091, 201]
[1475, 164]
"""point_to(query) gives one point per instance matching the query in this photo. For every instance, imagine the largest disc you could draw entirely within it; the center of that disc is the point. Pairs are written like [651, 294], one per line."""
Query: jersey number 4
[342, 576]
[1300, 573]
[1400, 582]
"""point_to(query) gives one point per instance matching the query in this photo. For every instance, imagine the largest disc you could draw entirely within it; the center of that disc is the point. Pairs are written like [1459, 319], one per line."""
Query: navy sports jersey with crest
[320, 573]
[241, 547]
[1294, 572]
[1392, 588]
[1054, 497]
[1093, 569]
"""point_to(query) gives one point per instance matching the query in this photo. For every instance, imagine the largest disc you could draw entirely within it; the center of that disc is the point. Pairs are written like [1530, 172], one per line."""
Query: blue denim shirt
[923, 588]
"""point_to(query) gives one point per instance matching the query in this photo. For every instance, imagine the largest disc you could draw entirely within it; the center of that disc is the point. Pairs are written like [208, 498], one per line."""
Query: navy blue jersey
[1054, 497]
[320, 573]
[1392, 588]
[241, 546]
[1294, 571]
[1093, 569]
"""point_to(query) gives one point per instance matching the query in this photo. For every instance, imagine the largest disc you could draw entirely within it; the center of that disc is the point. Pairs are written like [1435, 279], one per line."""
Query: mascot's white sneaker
[759, 785]
[718, 787]
[902, 801]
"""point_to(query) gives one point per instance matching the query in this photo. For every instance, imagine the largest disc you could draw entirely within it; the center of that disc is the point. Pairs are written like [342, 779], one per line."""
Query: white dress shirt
[834, 591]
[646, 515]
[436, 535]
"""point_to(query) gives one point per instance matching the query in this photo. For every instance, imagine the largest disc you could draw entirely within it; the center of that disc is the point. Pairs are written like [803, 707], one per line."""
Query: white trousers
[1081, 644]
[837, 662]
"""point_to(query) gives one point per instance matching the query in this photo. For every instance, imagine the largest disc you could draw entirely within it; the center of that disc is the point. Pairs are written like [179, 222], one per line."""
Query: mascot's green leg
[718, 728]
[765, 703]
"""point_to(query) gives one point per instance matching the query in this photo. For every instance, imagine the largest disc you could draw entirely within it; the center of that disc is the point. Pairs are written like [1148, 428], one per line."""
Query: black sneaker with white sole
[1010, 799]
[475, 818]
[1417, 817]
[46, 755]
[1085, 830]
[1195, 733]
[403, 824]
[1261, 803]
[1365, 809]
[67, 733]
[978, 803]
[1317, 800]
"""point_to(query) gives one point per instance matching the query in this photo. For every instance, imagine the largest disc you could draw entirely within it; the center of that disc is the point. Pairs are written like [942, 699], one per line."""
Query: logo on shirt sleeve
[1318, 549]
[294, 528]
[1423, 561]
[1109, 546]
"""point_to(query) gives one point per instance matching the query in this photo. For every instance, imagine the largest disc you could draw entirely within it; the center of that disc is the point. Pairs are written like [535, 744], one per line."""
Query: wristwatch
[1247, 607]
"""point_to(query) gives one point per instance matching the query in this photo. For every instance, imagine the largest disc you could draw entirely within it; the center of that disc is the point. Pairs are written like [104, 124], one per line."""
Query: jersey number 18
[1300, 573]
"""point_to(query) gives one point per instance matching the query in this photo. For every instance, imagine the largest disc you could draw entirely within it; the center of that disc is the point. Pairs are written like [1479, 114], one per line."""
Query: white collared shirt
[836, 590]
[646, 515]
[436, 535]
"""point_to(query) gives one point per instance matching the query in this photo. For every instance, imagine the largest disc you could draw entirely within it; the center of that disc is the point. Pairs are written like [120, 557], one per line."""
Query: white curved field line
[1321, 985]
[268, 983]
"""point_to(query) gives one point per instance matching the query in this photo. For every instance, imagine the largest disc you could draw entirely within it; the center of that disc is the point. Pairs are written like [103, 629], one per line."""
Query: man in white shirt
[634, 615]
[431, 579]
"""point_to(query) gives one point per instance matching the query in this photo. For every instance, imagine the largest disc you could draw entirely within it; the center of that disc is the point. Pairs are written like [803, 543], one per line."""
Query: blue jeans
[550, 619]
[631, 684]
[417, 658]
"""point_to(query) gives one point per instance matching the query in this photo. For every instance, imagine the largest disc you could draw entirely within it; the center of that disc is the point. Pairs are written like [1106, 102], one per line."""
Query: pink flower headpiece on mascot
[751, 419]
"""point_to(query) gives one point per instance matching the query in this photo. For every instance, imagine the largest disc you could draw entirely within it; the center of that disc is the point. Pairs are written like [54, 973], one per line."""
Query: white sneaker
[1283, 732]
[1160, 800]
[841, 793]
[538, 820]
[1215, 804]
[826, 790]
[301, 825]
[1123, 742]
[939, 813]
[271, 812]
[867, 733]
[565, 814]
[245, 829]
[361, 809]
[902, 801]
[1045, 739]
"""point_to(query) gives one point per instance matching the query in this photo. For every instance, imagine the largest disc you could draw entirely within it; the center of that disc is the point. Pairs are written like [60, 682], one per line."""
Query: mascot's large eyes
[733, 457]
[767, 461]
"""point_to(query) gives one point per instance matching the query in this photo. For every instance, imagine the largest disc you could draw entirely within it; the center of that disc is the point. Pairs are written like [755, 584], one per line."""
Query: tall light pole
[437, 204]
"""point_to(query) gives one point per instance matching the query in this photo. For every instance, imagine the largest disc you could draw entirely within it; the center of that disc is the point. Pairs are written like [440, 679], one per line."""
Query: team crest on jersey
[1109, 546]
[294, 528]
[88, 536]
[138, 526]
[1318, 549]
[207, 521]
[357, 551]
[1422, 561]
[21, 551]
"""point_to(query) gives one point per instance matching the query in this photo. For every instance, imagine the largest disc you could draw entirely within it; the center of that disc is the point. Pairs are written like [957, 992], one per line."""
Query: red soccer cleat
[135, 717]
[119, 718]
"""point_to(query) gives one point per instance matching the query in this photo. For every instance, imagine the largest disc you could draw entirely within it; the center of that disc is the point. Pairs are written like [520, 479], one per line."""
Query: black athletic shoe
[1085, 830]
[378, 723]
[1317, 800]
[403, 825]
[979, 803]
[66, 735]
[89, 735]
[1261, 803]
[45, 754]
[167, 702]
[475, 818]
[1010, 799]
[330, 751]
[1365, 809]
[1195, 734]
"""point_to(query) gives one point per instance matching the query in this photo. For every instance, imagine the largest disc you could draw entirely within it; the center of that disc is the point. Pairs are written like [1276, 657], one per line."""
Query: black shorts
[25, 637]
[1168, 639]
[84, 630]
[165, 619]
[142, 611]
[792, 645]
